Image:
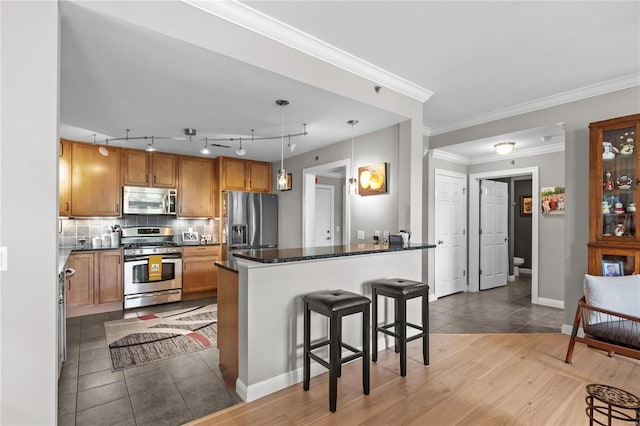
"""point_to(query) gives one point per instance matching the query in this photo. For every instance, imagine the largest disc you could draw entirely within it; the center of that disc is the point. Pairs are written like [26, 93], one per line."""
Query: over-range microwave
[142, 200]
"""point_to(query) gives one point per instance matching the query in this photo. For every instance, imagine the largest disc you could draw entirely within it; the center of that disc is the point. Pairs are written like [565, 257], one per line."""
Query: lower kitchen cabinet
[199, 270]
[96, 286]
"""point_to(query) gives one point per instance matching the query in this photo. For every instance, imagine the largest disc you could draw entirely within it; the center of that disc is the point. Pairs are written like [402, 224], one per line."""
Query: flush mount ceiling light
[353, 182]
[504, 148]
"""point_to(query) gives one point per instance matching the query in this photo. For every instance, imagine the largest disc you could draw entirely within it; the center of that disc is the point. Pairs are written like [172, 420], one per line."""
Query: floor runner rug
[137, 341]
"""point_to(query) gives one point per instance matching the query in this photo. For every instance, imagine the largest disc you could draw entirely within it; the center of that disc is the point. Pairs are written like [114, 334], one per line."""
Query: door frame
[474, 223]
[309, 200]
[464, 176]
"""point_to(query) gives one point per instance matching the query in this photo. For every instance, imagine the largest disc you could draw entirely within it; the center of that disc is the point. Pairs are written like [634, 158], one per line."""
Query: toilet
[517, 261]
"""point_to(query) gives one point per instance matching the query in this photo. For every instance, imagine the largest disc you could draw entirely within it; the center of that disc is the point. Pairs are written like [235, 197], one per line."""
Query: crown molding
[260, 23]
[426, 131]
[518, 153]
[585, 92]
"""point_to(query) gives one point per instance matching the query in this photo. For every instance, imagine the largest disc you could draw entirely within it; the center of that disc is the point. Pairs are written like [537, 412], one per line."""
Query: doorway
[474, 223]
[336, 171]
[324, 215]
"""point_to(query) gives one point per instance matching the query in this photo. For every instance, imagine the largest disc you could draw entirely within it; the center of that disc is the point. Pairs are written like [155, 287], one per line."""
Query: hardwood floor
[504, 379]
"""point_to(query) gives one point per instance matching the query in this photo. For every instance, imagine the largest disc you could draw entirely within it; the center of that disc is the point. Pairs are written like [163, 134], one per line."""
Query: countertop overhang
[276, 255]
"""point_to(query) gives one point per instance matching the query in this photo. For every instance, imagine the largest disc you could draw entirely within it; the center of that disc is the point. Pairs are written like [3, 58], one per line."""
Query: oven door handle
[154, 294]
[141, 260]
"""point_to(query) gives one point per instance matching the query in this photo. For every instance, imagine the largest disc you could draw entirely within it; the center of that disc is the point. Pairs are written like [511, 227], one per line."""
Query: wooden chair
[605, 329]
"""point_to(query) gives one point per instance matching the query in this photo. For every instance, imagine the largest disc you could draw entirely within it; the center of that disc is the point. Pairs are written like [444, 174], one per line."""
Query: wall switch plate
[385, 234]
[361, 235]
[3, 259]
[376, 233]
[338, 228]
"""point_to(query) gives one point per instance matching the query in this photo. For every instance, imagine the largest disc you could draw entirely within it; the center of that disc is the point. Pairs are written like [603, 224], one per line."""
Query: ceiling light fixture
[504, 148]
[353, 181]
[291, 146]
[282, 173]
[205, 150]
[103, 150]
[150, 147]
[241, 151]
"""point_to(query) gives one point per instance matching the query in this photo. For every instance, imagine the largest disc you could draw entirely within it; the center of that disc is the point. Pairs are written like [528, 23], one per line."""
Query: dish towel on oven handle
[155, 267]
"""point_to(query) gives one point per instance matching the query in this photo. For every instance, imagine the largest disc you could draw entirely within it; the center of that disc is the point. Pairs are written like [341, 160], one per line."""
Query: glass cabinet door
[619, 187]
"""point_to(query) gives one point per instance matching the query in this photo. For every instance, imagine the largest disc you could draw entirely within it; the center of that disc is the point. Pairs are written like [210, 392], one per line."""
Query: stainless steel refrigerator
[251, 221]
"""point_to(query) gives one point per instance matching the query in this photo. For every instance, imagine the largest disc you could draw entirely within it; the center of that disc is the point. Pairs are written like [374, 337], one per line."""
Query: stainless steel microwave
[142, 200]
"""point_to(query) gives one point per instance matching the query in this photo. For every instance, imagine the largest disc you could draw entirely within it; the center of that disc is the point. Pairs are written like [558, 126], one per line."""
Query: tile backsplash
[71, 229]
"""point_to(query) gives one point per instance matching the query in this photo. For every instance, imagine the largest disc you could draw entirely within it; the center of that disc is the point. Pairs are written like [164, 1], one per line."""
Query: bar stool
[401, 290]
[336, 304]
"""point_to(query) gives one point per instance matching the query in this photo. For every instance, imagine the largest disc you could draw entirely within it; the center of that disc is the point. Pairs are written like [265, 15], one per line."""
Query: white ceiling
[481, 60]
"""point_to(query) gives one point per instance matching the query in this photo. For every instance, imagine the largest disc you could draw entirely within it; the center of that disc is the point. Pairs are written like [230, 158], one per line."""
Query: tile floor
[500, 310]
[167, 392]
[180, 389]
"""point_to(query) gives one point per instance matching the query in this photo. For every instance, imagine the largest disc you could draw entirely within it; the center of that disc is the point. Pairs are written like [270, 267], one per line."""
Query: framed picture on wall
[526, 205]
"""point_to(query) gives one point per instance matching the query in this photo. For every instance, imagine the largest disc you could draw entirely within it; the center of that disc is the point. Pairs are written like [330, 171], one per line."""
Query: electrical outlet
[376, 233]
[361, 235]
[385, 234]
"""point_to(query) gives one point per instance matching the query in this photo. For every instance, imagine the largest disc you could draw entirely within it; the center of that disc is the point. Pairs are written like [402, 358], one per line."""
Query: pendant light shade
[353, 181]
[205, 149]
[150, 147]
[282, 173]
[241, 151]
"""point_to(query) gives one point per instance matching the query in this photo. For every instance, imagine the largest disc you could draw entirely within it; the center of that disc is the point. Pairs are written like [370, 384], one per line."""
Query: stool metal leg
[307, 346]
[397, 324]
[374, 325]
[334, 360]
[339, 347]
[425, 327]
[402, 318]
[365, 347]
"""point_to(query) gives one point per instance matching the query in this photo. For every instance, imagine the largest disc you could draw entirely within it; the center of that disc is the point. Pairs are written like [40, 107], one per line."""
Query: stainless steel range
[152, 266]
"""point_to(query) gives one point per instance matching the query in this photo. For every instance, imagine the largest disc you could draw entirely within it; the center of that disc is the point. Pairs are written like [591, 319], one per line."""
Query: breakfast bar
[270, 286]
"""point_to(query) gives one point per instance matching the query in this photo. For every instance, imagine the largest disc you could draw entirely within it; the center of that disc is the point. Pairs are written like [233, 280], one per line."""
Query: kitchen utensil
[96, 242]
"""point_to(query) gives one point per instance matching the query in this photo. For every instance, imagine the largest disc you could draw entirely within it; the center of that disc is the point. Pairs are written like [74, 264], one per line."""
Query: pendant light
[291, 146]
[282, 173]
[241, 151]
[205, 150]
[353, 181]
[150, 147]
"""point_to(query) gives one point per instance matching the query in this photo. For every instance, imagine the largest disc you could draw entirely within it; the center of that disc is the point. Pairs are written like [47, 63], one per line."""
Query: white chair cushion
[619, 294]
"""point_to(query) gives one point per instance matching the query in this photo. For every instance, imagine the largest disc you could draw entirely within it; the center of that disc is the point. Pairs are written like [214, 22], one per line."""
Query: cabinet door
[80, 284]
[95, 181]
[199, 274]
[195, 187]
[135, 167]
[164, 170]
[64, 182]
[110, 276]
[259, 176]
[613, 181]
[233, 174]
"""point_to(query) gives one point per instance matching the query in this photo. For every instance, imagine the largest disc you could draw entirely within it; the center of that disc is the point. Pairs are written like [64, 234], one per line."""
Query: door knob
[440, 242]
[328, 238]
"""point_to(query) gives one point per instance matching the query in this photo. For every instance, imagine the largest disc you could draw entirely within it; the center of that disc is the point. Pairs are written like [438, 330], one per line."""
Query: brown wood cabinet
[195, 187]
[96, 286]
[64, 176]
[141, 168]
[95, 181]
[228, 324]
[199, 269]
[614, 187]
[237, 174]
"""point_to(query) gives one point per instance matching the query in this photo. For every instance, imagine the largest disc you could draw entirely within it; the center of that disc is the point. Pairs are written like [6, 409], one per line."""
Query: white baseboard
[525, 270]
[276, 383]
[552, 303]
[567, 329]
[432, 298]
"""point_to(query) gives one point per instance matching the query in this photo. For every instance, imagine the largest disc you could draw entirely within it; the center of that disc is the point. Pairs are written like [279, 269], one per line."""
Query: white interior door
[494, 241]
[451, 236]
[323, 224]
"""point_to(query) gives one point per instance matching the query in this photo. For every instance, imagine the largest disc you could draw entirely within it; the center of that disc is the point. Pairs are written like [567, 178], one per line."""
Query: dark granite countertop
[231, 265]
[276, 255]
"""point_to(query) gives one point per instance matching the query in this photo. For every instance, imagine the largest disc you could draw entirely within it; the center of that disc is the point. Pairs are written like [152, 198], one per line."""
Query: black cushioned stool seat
[401, 290]
[336, 304]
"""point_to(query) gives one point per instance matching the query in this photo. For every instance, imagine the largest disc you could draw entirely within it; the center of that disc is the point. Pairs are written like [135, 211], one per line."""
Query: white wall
[576, 116]
[28, 213]
[367, 213]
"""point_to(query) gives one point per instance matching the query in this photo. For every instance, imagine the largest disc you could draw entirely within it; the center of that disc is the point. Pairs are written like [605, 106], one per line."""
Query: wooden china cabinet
[614, 187]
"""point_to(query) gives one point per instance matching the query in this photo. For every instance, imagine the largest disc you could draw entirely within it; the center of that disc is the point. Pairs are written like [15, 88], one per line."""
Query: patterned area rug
[148, 338]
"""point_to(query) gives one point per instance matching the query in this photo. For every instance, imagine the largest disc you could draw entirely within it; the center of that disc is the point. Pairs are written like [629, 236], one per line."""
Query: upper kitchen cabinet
[614, 192]
[244, 175]
[64, 176]
[95, 181]
[156, 169]
[195, 187]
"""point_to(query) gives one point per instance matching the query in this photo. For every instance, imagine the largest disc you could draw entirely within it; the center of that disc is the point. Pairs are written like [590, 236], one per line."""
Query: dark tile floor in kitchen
[167, 392]
[505, 309]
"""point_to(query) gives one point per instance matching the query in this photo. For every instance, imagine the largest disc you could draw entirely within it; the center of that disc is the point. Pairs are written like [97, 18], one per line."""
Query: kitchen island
[270, 287]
